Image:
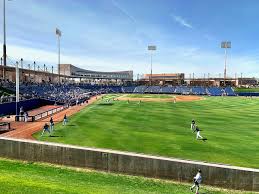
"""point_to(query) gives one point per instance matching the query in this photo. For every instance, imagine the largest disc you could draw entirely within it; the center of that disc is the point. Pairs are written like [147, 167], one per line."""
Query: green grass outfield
[22, 177]
[231, 125]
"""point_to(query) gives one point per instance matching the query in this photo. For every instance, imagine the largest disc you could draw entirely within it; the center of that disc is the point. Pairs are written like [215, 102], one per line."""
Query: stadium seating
[128, 89]
[140, 89]
[66, 93]
[167, 90]
[198, 90]
[215, 91]
[182, 90]
[229, 91]
[153, 89]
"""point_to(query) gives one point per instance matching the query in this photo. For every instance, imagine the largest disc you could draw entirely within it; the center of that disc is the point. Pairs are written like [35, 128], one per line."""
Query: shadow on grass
[71, 125]
[105, 104]
[55, 136]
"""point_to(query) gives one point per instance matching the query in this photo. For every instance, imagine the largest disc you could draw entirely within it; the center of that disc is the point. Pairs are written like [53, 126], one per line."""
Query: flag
[58, 32]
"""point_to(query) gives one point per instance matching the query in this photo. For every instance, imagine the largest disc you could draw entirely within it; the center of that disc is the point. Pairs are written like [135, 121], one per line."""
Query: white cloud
[16, 52]
[178, 59]
[182, 21]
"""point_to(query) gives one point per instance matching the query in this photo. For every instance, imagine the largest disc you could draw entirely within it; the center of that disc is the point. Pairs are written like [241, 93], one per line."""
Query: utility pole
[241, 79]
[52, 73]
[29, 67]
[235, 79]
[21, 63]
[34, 69]
[21, 72]
[2, 67]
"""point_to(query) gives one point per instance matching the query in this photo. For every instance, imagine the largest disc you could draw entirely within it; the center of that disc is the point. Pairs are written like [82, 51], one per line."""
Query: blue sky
[110, 35]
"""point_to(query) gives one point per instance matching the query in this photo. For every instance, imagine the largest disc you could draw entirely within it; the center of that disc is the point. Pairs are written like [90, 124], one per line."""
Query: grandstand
[167, 90]
[198, 90]
[66, 93]
[140, 89]
[215, 91]
[153, 90]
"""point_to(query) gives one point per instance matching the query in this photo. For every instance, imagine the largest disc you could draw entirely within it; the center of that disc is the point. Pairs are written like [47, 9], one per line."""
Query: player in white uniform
[193, 125]
[197, 181]
[198, 135]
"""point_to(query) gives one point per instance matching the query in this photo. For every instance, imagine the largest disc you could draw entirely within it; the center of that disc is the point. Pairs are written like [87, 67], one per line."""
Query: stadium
[65, 128]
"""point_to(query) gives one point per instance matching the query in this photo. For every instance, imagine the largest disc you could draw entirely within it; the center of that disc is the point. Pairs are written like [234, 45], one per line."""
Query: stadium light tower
[225, 45]
[151, 48]
[58, 33]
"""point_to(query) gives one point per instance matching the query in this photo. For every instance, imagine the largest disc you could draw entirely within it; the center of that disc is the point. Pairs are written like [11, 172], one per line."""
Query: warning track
[24, 130]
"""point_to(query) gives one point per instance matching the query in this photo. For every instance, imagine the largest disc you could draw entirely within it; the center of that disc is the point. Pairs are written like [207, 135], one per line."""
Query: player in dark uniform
[51, 122]
[45, 128]
[198, 135]
[65, 120]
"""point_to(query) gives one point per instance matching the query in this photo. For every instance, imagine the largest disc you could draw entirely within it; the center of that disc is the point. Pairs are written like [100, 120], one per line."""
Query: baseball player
[65, 120]
[45, 128]
[197, 181]
[198, 135]
[51, 122]
[193, 125]
[26, 116]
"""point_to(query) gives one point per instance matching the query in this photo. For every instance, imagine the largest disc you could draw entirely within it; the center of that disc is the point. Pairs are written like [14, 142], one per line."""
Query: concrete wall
[129, 163]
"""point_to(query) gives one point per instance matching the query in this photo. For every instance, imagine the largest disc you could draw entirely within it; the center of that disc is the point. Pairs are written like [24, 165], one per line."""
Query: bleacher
[215, 91]
[128, 89]
[153, 89]
[167, 90]
[198, 90]
[182, 90]
[115, 89]
[229, 91]
[70, 92]
[140, 89]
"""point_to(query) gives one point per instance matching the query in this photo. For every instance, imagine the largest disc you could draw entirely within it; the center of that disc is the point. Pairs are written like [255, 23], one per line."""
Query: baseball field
[154, 124]
[23, 177]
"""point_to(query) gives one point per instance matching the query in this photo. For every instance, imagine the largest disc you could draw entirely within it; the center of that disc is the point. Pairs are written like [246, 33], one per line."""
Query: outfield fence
[129, 163]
